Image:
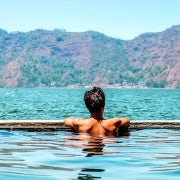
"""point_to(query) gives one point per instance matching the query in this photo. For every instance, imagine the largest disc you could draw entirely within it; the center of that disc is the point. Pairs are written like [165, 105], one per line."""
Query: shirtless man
[96, 124]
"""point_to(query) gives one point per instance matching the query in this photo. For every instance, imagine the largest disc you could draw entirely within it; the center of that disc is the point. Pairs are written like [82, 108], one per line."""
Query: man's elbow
[125, 122]
[128, 123]
[65, 122]
[68, 122]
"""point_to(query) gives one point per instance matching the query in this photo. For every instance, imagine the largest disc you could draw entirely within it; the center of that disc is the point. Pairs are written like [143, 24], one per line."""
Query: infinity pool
[144, 154]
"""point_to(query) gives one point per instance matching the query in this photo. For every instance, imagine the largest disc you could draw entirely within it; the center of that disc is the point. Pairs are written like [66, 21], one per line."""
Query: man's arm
[124, 122]
[116, 123]
[77, 124]
[69, 122]
[73, 123]
[123, 127]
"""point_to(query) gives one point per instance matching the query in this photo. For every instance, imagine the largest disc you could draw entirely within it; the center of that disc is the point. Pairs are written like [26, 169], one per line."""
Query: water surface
[145, 154]
[44, 103]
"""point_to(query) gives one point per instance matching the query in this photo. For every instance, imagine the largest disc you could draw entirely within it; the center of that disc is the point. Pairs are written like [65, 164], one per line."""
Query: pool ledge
[58, 124]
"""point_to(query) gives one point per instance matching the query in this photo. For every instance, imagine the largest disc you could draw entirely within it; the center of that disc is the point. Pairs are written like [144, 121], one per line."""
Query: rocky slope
[58, 58]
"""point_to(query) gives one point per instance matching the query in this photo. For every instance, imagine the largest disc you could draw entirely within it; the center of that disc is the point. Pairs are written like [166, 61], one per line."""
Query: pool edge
[58, 124]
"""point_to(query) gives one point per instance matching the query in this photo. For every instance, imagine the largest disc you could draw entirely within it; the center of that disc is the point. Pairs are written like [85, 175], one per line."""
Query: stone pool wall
[58, 124]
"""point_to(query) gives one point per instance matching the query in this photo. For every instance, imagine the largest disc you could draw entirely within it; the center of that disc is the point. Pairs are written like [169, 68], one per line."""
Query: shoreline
[89, 87]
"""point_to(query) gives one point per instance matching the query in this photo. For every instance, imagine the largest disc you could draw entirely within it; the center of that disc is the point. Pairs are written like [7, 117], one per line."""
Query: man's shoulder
[116, 120]
[71, 120]
[79, 121]
[112, 120]
[75, 122]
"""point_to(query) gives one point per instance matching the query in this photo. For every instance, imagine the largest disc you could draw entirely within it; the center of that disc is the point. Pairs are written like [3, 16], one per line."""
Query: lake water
[59, 155]
[44, 103]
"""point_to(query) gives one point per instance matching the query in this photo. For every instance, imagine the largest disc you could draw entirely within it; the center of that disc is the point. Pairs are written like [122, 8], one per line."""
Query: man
[96, 124]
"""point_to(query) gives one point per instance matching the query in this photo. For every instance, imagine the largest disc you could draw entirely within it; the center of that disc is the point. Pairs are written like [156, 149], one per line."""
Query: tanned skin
[96, 124]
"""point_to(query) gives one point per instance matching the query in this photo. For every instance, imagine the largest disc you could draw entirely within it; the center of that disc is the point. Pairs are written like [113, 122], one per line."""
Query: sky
[123, 19]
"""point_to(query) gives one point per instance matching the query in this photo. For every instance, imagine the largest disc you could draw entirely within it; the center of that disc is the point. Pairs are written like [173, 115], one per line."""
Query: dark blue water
[44, 103]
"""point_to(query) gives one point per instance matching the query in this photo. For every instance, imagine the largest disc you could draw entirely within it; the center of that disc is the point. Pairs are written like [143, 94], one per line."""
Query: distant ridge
[58, 59]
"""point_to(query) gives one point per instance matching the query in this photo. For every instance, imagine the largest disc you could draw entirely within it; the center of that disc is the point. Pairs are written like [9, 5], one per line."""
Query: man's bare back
[97, 127]
[96, 124]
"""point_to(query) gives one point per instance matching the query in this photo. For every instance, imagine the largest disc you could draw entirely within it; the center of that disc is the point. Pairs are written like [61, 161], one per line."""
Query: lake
[60, 103]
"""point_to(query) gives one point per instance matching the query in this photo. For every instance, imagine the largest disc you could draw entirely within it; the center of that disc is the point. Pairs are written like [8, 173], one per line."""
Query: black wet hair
[94, 99]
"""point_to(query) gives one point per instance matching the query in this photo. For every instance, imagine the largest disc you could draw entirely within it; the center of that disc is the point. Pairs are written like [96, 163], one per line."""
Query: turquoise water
[44, 103]
[145, 154]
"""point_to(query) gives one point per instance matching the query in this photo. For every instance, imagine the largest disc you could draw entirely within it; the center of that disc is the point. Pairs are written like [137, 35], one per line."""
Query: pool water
[144, 154]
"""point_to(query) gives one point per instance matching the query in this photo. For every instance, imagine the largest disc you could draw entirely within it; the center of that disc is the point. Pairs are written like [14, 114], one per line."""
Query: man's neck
[97, 116]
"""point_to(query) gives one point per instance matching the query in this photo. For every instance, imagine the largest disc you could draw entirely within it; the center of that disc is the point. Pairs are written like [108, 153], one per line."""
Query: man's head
[94, 100]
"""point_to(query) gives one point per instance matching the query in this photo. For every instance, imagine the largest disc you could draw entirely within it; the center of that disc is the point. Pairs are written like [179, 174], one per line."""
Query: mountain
[157, 57]
[58, 58]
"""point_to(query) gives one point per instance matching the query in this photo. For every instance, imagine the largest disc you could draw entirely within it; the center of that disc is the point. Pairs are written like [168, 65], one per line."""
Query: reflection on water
[94, 147]
[145, 154]
[86, 173]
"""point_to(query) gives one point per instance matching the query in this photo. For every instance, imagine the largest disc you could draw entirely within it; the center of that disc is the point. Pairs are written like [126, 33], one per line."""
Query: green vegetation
[59, 58]
[154, 84]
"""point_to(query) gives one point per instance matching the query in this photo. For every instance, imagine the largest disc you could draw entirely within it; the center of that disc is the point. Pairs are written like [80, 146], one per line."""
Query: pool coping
[58, 124]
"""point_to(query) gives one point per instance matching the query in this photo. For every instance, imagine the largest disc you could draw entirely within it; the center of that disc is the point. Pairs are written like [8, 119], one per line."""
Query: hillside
[157, 57]
[58, 58]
